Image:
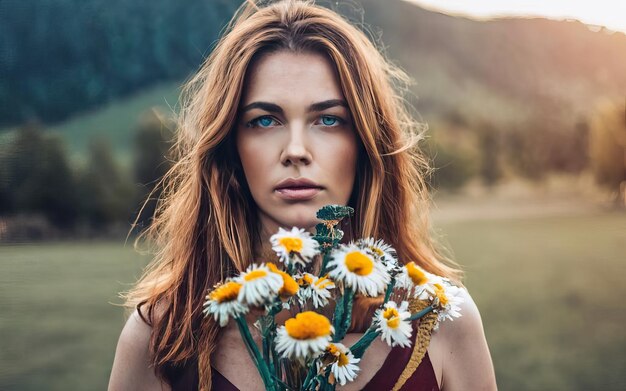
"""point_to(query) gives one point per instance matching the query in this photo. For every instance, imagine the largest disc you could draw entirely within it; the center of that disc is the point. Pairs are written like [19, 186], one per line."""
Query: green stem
[255, 354]
[283, 384]
[278, 368]
[390, 287]
[289, 376]
[338, 315]
[423, 312]
[347, 314]
[266, 352]
[325, 385]
[325, 262]
[359, 347]
[309, 376]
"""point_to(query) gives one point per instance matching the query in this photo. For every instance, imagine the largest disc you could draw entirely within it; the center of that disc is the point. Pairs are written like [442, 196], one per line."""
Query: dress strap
[423, 333]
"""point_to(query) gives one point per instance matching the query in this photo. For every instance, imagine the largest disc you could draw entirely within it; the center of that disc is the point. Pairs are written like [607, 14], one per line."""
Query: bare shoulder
[468, 325]
[131, 366]
[466, 361]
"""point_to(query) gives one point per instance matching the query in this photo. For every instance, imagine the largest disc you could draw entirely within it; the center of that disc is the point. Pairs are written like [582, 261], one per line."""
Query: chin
[308, 222]
[300, 215]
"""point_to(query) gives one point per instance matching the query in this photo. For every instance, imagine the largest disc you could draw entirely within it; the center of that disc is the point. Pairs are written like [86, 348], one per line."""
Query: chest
[232, 360]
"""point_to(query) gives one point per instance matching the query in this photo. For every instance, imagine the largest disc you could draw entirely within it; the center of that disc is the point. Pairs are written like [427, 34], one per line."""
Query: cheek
[251, 160]
[341, 156]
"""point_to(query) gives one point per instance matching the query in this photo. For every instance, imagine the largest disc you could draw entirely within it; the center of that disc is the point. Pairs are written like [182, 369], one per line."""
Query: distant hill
[117, 121]
[61, 57]
[503, 70]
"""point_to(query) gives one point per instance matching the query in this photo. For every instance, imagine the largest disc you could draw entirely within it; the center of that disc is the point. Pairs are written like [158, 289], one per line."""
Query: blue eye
[268, 121]
[329, 120]
[263, 122]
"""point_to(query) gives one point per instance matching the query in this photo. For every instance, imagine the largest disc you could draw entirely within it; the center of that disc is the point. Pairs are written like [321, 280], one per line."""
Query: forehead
[285, 76]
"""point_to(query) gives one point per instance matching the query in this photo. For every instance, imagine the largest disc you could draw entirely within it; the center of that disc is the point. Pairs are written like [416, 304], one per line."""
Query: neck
[263, 249]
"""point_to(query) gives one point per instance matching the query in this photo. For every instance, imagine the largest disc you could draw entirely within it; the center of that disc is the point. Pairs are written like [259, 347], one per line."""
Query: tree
[37, 177]
[152, 145]
[106, 193]
[454, 157]
[490, 162]
[607, 148]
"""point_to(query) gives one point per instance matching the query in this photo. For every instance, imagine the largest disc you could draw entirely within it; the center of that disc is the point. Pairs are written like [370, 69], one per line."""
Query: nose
[296, 150]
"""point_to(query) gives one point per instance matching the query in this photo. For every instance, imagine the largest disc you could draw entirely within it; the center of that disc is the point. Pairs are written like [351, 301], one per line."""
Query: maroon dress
[423, 379]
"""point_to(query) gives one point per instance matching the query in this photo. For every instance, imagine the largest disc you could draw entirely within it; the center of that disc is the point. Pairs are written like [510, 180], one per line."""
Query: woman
[294, 109]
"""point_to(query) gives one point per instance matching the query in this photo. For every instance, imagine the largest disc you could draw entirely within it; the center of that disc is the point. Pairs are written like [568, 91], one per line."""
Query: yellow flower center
[323, 282]
[308, 325]
[291, 244]
[416, 274]
[441, 295]
[290, 287]
[254, 274]
[359, 263]
[377, 251]
[226, 292]
[306, 280]
[343, 359]
[392, 316]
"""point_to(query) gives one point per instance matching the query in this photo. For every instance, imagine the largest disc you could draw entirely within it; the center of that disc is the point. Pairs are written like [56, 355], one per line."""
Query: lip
[297, 189]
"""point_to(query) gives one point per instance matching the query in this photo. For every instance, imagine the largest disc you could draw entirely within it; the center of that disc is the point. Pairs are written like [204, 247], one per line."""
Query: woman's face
[295, 139]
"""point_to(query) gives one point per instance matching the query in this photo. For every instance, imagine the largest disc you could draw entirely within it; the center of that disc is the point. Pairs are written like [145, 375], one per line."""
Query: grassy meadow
[550, 289]
[62, 327]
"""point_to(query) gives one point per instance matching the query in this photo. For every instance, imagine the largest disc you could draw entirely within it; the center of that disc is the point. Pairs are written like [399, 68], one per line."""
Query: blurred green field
[551, 291]
[61, 329]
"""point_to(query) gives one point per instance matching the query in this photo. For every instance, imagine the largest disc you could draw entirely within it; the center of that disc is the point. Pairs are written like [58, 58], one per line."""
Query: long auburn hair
[205, 225]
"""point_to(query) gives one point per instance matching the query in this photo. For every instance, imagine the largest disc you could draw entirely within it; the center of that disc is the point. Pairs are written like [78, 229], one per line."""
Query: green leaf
[322, 230]
[334, 212]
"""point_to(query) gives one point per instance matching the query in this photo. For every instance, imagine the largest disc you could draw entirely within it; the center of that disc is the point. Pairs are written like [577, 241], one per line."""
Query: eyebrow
[315, 107]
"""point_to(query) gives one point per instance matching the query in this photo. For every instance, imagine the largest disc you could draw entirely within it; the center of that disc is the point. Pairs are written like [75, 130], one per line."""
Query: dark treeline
[44, 194]
[62, 57]
[489, 110]
[462, 149]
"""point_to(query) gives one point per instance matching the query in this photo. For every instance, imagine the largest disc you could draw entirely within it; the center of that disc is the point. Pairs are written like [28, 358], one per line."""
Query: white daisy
[295, 246]
[447, 300]
[385, 252]
[320, 290]
[315, 288]
[259, 285]
[223, 304]
[359, 270]
[343, 367]
[306, 335]
[419, 281]
[394, 324]
[304, 281]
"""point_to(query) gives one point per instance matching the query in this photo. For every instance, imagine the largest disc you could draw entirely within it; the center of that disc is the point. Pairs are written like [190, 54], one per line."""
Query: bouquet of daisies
[306, 352]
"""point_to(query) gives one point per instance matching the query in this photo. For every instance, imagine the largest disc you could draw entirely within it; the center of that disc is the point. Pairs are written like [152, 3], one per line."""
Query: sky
[609, 13]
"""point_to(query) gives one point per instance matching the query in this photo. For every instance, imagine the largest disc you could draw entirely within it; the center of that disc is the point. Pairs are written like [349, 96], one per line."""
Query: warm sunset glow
[609, 13]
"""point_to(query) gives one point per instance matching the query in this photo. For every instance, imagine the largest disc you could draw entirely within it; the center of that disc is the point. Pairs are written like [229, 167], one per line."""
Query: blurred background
[526, 108]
